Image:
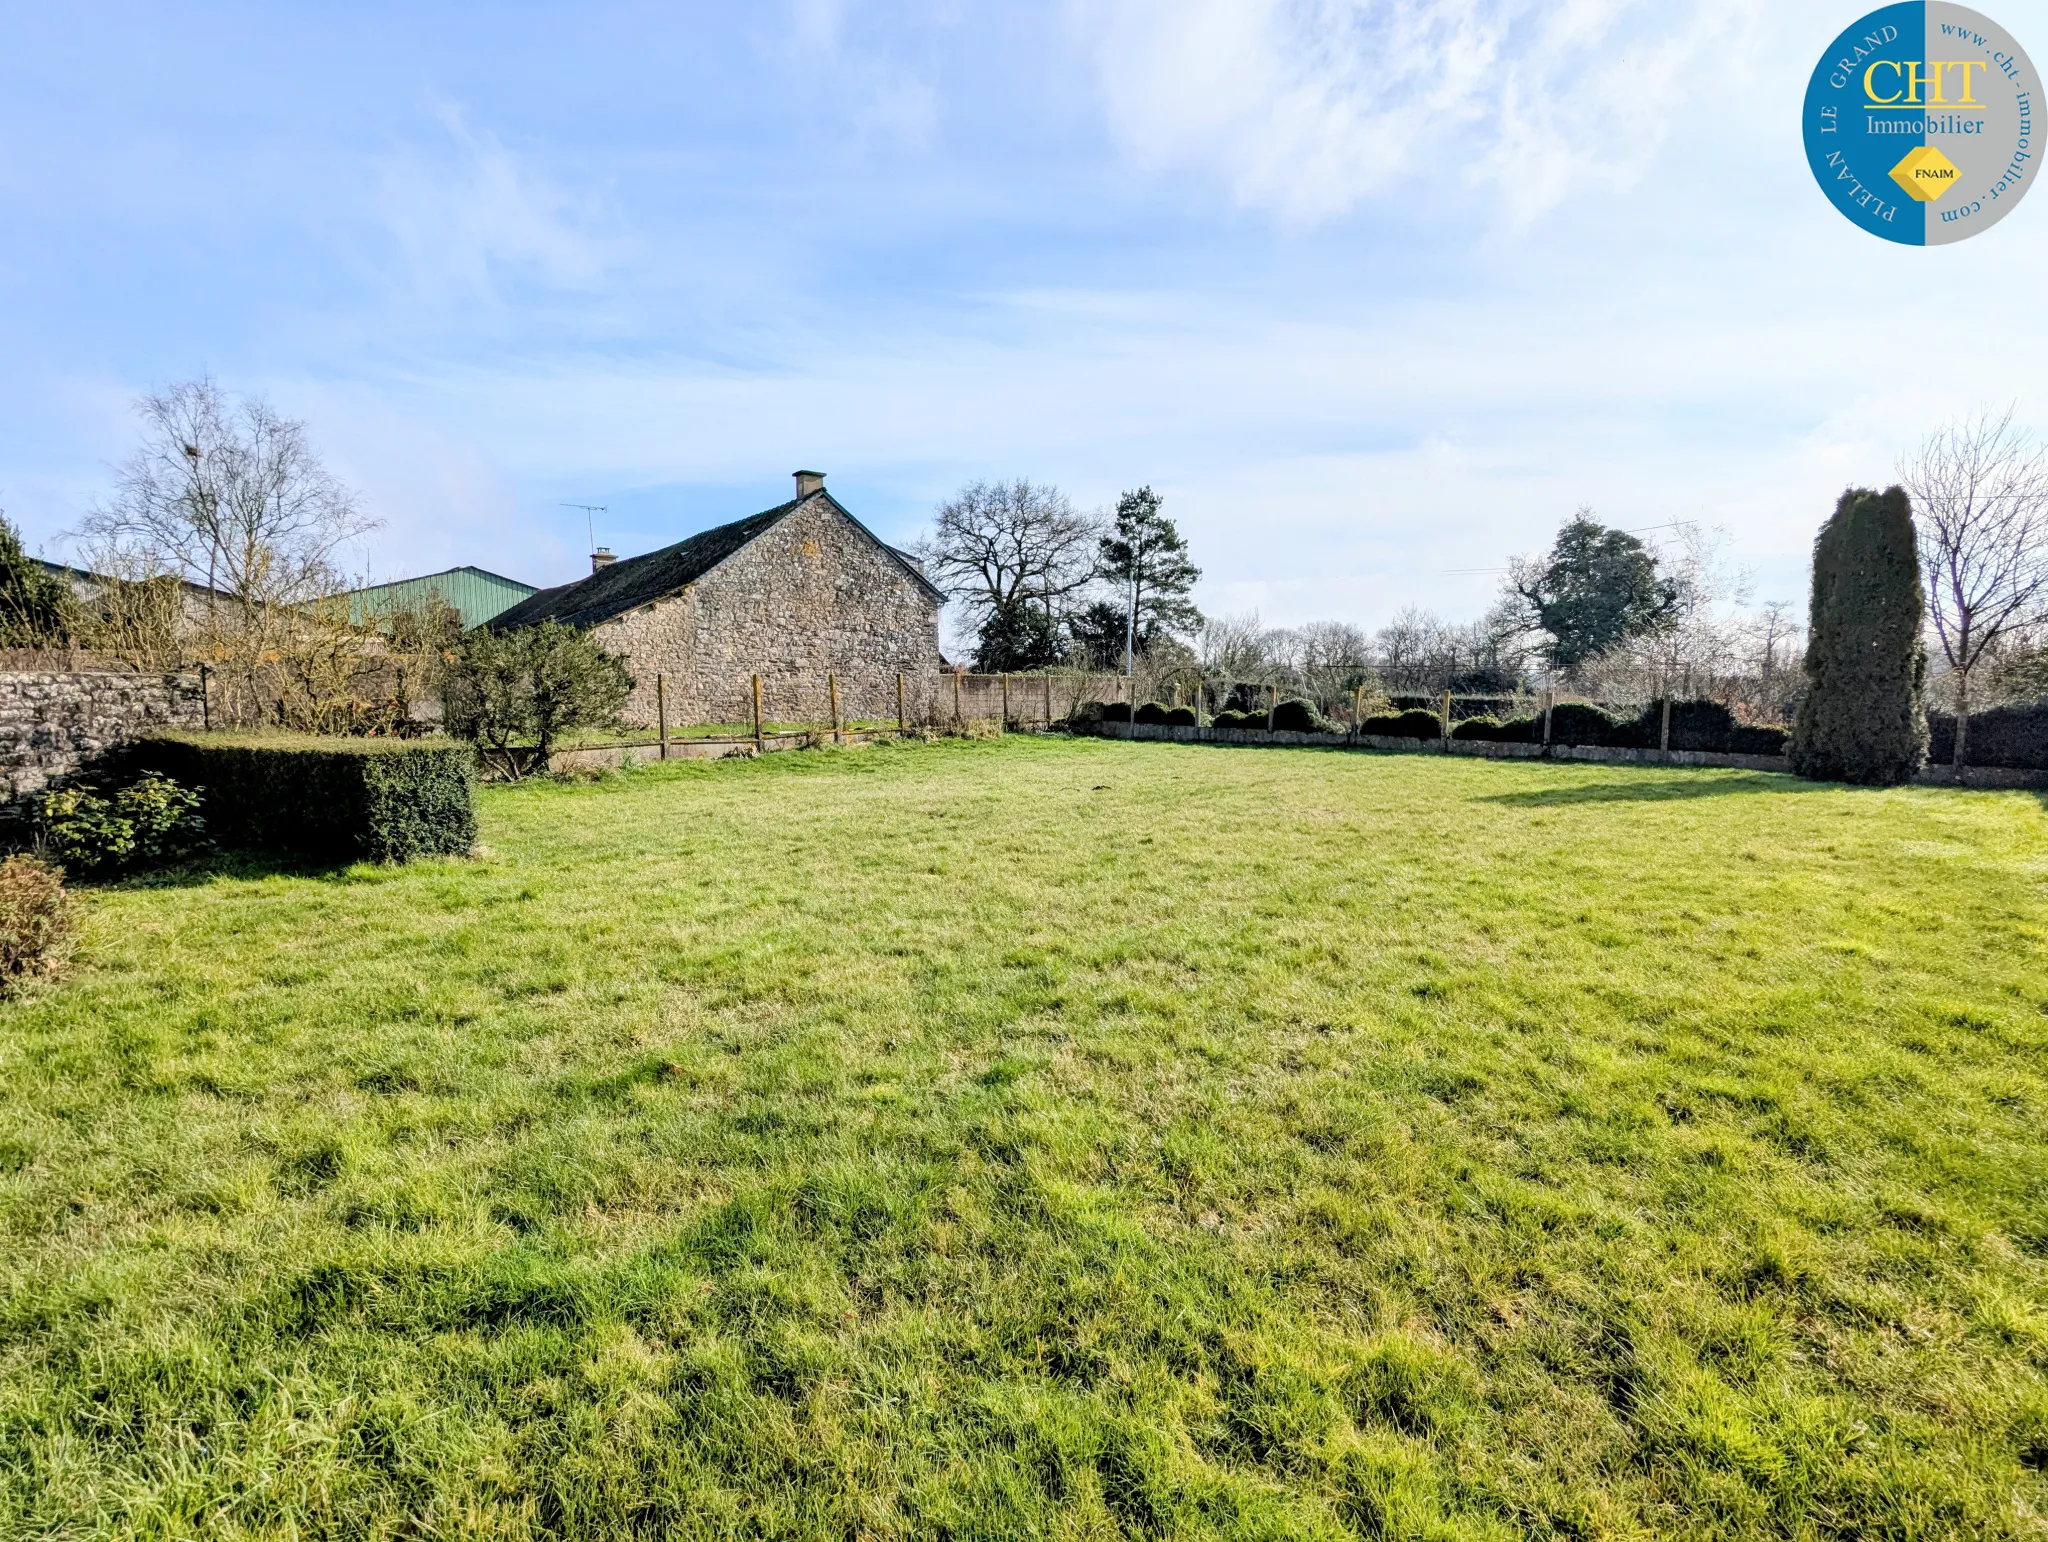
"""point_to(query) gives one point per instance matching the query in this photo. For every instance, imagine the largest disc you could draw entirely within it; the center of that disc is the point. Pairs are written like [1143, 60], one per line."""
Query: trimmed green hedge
[2013, 736]
[1516, 730]
[1412, 724]
[1297, 716]
[379, 800]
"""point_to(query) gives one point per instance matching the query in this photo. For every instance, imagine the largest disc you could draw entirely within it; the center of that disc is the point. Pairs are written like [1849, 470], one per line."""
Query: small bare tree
[999, 545]
[1980, 490]
[231, 497]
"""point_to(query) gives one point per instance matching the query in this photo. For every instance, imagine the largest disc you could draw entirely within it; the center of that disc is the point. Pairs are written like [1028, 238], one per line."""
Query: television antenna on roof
[590, 513]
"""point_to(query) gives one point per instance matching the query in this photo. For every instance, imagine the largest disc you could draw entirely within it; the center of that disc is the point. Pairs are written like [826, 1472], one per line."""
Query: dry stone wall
[811, 596]
[56, 723]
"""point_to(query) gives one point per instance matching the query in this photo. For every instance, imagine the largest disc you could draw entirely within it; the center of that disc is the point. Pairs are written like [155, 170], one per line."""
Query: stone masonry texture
[55, 724]
[813, 595]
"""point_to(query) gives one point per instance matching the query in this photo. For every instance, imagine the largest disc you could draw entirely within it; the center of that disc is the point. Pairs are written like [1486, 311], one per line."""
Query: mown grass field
[1048, 1138]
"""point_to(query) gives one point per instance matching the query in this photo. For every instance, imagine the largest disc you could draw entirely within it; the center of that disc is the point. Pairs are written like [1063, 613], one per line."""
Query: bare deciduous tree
[998, 544]
[1234, 648]
[231, 497]
[1980, 491]
[1332, 660]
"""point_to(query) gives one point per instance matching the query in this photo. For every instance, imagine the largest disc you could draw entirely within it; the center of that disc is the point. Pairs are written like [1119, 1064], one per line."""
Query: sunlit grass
[1054, 1138]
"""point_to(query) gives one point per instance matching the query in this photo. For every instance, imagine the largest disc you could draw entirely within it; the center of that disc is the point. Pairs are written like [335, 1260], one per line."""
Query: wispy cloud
[885, 98]
[1307, 107]
[469, 215]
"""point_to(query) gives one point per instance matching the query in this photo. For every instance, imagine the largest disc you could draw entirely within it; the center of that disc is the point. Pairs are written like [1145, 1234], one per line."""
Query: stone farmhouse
[793, 594]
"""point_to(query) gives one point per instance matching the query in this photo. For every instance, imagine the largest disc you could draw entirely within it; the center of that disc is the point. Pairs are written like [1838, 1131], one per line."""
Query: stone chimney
[601, 559]
[808, 482]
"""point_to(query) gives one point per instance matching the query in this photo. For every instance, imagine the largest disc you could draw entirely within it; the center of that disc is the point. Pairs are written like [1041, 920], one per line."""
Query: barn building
[793, 594]
[476, 594]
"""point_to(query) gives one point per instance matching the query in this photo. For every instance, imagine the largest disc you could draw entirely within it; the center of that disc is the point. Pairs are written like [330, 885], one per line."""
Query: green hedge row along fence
[2014, 736]
[1694, 725]
[378, 800]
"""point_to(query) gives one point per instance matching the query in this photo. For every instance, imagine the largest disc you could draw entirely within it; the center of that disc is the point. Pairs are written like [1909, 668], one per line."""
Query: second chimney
[601, 559]
[808, 482]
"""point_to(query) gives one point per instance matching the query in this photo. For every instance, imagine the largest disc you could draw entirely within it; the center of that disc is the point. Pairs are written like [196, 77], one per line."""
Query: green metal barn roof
[478, 595]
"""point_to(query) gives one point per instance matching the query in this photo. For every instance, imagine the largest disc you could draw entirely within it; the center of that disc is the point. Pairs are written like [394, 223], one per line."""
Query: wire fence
[784, 702]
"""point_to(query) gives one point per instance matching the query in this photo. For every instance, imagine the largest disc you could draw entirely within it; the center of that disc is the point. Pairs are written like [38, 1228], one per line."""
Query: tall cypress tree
[1861, 719]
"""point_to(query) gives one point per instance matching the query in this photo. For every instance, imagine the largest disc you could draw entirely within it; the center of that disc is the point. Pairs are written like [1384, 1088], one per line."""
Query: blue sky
[1373, 293]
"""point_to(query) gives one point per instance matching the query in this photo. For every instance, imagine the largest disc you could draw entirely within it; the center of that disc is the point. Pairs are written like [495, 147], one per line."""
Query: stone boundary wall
[55, 723]
[1931, 776]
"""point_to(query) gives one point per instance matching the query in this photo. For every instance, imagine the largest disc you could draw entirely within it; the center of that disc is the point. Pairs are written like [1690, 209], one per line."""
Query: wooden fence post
[832, 689]
[1549, 696]
[205, 699]
[956, 697]
[1006, 704]
[757, 715]
[661, 711]
[1048, 698]
[1357, 709]
[1445, 717]
[1664, 729]
[902, 718]
[1272, 705]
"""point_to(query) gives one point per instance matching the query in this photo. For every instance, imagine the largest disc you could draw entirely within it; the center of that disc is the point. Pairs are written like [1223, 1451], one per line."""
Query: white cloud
[470, 215]
[1306, 107]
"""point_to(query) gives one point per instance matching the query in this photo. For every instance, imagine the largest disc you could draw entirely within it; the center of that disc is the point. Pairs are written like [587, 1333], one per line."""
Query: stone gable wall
[811, 596]
[55, 723]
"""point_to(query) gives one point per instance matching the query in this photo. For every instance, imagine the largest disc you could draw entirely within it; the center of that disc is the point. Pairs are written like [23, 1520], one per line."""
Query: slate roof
[635, 581]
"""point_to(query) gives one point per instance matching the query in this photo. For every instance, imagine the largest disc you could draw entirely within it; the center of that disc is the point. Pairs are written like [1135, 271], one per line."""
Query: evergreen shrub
[1229, 719]
[2013, 736]
[1861, 719]
[380, 800]
[1182, 717]
[1413, 724]
[1115, 712]
[1516, 730]
[1297, 716]
[1575, 722]
[1757, 739]
[1152, 713]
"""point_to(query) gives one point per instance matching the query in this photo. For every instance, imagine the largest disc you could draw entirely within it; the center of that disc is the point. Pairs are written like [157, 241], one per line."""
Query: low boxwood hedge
[1152, 713]
[1516, 730]
[1229, 719]
[1182, 717]
[1575, 722]
[1755, 739]
[382, 800]
[2012, 736]
[1412, 724]
[1297, 716]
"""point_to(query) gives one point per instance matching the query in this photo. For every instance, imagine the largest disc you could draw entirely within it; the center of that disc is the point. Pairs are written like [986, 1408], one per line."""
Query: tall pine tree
[1862, 719]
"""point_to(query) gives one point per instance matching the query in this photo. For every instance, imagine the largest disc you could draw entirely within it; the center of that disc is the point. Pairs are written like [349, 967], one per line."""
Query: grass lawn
[1050, 1138]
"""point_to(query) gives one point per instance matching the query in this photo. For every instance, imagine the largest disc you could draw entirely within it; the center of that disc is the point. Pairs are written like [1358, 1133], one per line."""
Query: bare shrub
[37, 927]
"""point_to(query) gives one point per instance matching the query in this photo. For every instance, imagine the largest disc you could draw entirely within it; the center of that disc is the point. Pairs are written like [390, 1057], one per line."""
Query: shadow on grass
[241, 866]
[1663, 790]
